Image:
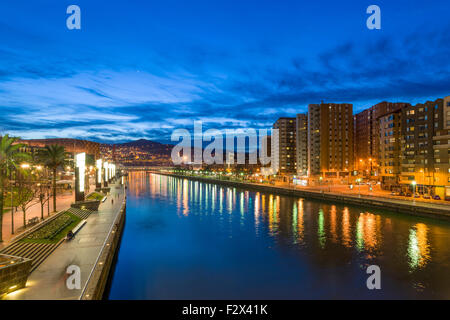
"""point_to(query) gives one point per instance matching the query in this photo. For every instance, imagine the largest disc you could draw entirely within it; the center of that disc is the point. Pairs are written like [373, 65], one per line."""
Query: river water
[191, 240]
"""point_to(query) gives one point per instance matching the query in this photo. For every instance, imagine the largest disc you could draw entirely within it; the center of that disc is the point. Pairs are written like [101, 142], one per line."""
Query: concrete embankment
[98, 279]
[402, 206]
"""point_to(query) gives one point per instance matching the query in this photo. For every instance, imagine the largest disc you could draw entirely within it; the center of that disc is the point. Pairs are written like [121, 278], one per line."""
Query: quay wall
[97, 282]
[416, 209]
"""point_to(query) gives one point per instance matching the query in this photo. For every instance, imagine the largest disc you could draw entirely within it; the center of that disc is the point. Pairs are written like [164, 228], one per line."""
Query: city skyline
[255, 62]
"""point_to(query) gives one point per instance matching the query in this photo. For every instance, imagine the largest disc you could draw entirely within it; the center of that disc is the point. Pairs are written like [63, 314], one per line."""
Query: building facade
[71, 145]
[302, 144]
[286, 148]
[330, 139]
[367, 136]
[362, 125]
[425, 156]
[390, 151]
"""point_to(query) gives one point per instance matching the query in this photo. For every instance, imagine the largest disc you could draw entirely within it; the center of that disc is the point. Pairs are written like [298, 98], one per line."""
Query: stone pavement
[48, 281]
[63, 201]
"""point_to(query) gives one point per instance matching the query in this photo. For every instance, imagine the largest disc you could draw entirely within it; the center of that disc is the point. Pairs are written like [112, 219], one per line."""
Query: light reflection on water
[186, 240]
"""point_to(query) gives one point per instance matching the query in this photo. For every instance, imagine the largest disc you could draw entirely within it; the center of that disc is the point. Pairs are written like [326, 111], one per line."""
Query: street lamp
[414, 188]
[359, 186]
[25, 166]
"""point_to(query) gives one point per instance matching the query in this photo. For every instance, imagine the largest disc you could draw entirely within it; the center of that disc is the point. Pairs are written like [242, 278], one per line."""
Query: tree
[26, 192]
[53, 157]
[9, 156]
[42, 187]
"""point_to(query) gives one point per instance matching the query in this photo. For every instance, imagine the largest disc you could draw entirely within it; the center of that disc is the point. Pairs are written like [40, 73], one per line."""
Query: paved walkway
[48, 281]
[63, 201]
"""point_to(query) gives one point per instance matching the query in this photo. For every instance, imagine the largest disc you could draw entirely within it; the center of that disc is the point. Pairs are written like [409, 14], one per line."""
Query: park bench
[76, 229]
[33, 220]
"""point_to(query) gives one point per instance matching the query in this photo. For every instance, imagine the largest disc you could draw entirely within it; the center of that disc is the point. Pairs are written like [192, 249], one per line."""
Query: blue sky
[140, 69]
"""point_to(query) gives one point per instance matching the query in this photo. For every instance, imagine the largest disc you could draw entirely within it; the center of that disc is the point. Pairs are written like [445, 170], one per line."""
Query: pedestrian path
[48, 280]
[38, 252]
[62, 201]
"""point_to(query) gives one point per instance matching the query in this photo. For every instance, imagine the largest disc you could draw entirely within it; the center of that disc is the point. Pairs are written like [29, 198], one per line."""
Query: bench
[33, 220]
[76, 229]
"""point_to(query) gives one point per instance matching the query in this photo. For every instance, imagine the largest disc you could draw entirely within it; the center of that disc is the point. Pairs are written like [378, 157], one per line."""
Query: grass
[75, 221]
[96, 196]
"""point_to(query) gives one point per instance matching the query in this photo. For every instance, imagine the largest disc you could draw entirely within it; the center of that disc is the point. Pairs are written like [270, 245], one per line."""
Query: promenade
[439, 209]
[48, 281]
[63, 201]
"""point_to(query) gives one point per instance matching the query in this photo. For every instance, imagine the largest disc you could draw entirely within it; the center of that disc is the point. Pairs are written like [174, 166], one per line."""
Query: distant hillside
[149, 146]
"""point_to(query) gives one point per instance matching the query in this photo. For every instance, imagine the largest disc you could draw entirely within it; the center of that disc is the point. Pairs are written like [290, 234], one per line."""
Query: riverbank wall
[415, 209]
[95, 288]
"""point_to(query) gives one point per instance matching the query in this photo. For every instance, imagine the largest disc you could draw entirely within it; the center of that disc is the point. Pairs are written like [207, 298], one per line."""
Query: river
[191, 240]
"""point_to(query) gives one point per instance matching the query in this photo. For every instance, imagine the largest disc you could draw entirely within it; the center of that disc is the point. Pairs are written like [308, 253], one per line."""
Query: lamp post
[359, 186]
[48, 202]
[414, 189]
[99, 165]
[80, 171]
[12, 194]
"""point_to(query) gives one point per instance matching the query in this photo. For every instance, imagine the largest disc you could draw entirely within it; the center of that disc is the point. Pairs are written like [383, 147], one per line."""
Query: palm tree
[53, 157]
[9, 154]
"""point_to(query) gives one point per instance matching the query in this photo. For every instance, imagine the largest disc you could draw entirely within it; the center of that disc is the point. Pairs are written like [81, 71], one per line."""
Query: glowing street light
[359, 186]
[106, 167]
[25, 166]
[413, 183]
[99, 173]
[80, 165]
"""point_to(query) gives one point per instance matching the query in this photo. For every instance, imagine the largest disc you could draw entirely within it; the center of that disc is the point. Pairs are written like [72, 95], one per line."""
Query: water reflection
[305, 235]
[418, 247]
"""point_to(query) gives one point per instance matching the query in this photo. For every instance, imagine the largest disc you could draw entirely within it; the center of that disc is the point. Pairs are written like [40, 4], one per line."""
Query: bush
[95, 196]
[51, 229]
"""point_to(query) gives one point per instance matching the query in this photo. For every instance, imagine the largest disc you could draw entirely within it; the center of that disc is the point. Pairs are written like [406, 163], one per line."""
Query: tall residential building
[330, 139]
[425, 147]
[362, 139]
[314, 139]
[286, 148]
[389, 158]
[367, 135]
[302, 144]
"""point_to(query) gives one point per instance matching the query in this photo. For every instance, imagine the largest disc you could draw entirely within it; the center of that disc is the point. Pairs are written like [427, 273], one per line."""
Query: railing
[97, 260]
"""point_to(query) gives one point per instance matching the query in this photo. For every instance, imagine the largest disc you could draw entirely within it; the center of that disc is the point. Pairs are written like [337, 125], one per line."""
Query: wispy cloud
[145, 91]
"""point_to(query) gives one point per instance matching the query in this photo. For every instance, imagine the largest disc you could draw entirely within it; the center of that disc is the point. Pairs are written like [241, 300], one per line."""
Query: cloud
[115, 100]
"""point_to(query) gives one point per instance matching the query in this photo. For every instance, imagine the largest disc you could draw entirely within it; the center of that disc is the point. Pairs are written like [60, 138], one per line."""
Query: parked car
[417, 196]
[426, 196]
[436, 197]
[408, 194]
[393, 193]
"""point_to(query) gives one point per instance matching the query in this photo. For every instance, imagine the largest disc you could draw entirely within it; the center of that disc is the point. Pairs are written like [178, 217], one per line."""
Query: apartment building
[424, 151]
[441, 148]
[302, 144]
[367, 136]
[389, 156]
[71, 145]
[286, 147]
[330, 139]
